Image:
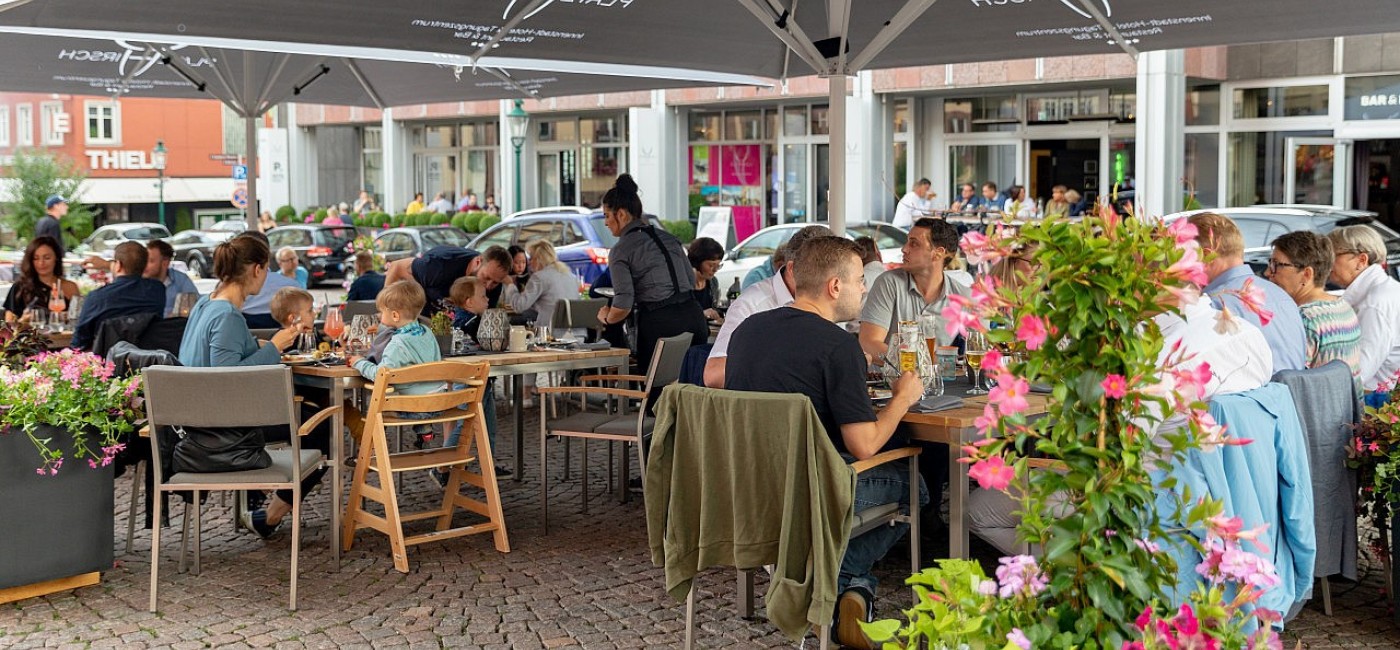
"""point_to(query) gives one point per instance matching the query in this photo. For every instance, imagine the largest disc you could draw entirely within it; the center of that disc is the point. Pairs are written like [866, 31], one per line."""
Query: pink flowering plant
[1374, 451]
[1082, 323]
[74, 391]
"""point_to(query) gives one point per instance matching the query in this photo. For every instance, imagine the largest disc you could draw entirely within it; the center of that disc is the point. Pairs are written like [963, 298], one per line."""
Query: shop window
[1284, 101]
[901, 116]
[821, 125]
[1203, 106]
[795, 121]
[978, 164]
[481, 134]
[602, 130]
[1202, 171]
[558, 131]
[1373, 98]
[981, 114]
[1257, 166]
[704, 127]
[743, 125]
[437, 137]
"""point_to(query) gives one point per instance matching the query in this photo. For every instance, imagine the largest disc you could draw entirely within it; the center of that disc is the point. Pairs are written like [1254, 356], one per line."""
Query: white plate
[297, 359]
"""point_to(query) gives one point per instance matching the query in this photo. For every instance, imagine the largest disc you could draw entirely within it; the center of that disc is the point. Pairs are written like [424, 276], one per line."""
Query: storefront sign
[118, 159]
[1373, 98]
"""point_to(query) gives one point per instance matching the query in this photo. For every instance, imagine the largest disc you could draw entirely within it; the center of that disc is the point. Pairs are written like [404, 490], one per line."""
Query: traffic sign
[225, 158]
[240, 198]
[240, 172]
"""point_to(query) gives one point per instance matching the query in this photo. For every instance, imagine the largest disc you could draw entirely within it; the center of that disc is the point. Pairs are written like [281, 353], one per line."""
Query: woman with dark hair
[217, 336]
[651, 276]
[705, 256]
[40, 272]
[519, 265]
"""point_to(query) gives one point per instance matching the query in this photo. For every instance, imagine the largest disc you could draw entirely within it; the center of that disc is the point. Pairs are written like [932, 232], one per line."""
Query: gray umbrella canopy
[733, 36]
[253, 81]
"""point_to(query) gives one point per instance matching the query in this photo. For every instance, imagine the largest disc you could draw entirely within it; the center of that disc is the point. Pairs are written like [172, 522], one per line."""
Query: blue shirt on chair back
[1284, 332]
[124, 296]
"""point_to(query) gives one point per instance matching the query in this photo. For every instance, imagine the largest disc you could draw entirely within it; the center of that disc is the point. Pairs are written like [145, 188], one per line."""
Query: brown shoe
[852, 609]
[355, 421]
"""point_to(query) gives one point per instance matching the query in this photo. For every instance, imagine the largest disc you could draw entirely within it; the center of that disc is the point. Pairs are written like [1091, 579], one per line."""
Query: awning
[729, 36]
[253, 81]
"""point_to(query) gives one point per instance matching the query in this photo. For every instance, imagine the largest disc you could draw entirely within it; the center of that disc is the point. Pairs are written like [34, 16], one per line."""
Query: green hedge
[306, 213]
[285, 214]
[439, 220]
[683, 230]
[398, 220]
[486, 221]
[321, 215]
[459, 221]
[379, 219]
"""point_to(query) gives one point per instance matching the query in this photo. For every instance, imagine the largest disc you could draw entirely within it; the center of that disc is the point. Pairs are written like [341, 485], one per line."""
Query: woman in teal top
[217, 336]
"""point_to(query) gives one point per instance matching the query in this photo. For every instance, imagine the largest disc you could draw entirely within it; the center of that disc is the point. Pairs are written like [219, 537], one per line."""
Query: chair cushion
[626, 426]
[280, 471]
[872, 516]
[580, 422]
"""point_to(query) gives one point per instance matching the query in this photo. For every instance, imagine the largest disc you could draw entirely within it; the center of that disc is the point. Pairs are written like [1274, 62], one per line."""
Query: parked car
[234, 226]
[196, 249]
[104, 239]
[323, 250]
[582, 240]
[758, 247]
[411, 241]
[558, 209]
[1262, 224]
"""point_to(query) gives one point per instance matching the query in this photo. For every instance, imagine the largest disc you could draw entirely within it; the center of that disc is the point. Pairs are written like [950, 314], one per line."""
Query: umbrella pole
[836, 197]
[251, 133]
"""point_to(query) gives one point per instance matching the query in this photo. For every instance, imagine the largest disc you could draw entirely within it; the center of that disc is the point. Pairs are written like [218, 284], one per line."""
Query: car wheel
[196, 266]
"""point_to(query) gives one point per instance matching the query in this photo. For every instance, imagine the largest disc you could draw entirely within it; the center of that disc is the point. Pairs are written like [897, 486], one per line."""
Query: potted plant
[1100, 577]
[63, 416]
[1374, 452]
[441, 327]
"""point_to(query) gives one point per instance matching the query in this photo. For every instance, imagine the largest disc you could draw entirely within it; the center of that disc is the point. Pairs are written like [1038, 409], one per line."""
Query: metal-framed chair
[259, 396]
[632, 428]
[460, 403]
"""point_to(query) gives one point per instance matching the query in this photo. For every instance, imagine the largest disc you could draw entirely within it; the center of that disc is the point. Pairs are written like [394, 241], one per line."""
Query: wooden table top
[59, 340]
[501, 359]
[949, 426]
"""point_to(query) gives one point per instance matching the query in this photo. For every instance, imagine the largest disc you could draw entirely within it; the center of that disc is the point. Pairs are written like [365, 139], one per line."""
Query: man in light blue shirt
[159, 256]
[257, 309]
[1223, 245]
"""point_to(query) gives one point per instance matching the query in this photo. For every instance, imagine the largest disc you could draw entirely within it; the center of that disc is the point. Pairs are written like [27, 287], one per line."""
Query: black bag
[225, 449]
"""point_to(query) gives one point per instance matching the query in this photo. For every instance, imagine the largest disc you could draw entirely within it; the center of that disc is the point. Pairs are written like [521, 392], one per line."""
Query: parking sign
[240, 172]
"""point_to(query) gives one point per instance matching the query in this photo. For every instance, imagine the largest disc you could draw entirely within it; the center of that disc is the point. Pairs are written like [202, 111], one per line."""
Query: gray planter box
[55, 526]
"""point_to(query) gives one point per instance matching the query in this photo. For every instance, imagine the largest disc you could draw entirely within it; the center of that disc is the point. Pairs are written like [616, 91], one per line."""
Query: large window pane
[558, 131]
[901, 116]
[795, 182]
[704, 127]
[1257, 166]
[373, 173]
[901, 168]
[434, 137]
[480, 174]
[480, 134]
[821, 125]
[981, 114]
[602, 130]
[795, 120]
[743, 125]
[1290, 101]
[978, 164]
[1203, 106]
[438, 174]
[1202, 167]
[601, 165]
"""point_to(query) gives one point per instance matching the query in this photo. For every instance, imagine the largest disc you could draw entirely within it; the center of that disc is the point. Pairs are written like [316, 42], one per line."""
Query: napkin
[596, 345]
[1041, 388]
[935, 404]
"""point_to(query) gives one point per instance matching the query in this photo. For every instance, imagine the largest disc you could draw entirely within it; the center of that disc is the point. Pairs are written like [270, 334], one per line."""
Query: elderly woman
[290, 266]
[1300, 265]
[1358, 252]
[705, 256]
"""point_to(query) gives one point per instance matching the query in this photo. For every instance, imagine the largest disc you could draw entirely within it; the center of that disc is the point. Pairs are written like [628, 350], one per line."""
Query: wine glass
[976, 351]
[335, 325]
[56, 306]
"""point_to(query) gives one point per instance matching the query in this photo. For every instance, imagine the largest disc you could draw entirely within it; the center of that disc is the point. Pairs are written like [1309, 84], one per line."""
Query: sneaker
[855, 606]
[256, 521]
[439, 476]
[355, 422]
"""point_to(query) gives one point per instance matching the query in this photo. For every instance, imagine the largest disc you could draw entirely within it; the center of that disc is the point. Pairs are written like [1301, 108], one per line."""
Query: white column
[398, 164]
[654, 158]
[303, 178]
[1161, 139]
[869, 156]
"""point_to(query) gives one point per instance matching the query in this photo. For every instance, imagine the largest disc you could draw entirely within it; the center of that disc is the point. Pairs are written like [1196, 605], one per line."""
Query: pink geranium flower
[1115, 386]
[992, 473]
[992, 361]
[1252, 297]
[1183, 231]
[1032, 331]
[987, 421]
[1189, 268]
[1009, 395]
[974, 245]
[958, 317]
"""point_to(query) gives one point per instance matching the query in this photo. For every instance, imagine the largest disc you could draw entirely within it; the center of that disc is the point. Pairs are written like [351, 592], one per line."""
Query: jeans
[488, 405]
[888, 483]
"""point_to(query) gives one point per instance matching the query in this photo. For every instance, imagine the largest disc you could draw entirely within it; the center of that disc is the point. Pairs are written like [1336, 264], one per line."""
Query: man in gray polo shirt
[919, 286]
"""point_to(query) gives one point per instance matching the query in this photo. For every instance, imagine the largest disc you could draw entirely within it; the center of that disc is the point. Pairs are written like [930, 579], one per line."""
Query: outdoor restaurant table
[59, 340]
[516, 365]
[955, 428]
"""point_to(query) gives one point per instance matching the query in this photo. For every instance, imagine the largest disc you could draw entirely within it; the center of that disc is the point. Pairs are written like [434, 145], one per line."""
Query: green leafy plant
[439, 219]
[683, 230]
[285, 214]
[184, 219]
[35, 175]
[486, 221]
[74, 391]
[399, 220]
[459, 221]
[321, 214]
[306, 215]
[18, 342]
[440, 324]
[1374, 452]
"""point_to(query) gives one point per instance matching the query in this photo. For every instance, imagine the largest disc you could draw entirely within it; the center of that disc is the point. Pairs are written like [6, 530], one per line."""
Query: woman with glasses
[1300, 265]
[1358, 252]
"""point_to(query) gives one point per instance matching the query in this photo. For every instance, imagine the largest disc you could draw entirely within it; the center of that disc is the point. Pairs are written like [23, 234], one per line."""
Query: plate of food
[299, 359]
[880, 394]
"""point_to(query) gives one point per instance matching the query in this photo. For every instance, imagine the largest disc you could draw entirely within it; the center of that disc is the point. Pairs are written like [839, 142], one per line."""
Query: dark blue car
[581, 240]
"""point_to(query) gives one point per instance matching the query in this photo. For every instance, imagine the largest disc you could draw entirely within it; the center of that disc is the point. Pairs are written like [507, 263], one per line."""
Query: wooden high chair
[461, 404]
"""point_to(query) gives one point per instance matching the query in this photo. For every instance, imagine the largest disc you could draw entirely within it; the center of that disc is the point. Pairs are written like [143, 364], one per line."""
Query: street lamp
[158, 161]
[519, 122]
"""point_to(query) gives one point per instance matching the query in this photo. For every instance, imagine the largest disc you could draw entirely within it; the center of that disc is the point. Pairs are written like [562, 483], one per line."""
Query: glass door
[549, 181]
[822, 180]
[795, 183]
[1312, 176]
[439, 174]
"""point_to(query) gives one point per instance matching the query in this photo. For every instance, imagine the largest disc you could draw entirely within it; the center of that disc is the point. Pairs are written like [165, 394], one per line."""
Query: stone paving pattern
[589, 584]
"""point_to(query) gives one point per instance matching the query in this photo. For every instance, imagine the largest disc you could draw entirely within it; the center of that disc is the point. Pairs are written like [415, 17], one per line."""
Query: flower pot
[55, 526]
[444, 342]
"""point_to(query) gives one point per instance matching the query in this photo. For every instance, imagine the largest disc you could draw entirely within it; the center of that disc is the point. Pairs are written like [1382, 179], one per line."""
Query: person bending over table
[128, 293]
[800, 349]
[438, 268]
[217, 336]
[39, 274]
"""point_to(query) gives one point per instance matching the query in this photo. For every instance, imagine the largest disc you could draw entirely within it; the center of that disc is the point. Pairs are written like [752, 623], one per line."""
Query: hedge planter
[57, 526]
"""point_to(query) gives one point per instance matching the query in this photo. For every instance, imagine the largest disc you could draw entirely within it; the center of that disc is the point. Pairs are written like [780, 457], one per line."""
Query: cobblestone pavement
[590, 584]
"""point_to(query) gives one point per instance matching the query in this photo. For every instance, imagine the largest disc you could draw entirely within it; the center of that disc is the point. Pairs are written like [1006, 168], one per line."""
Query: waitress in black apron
[651, 276]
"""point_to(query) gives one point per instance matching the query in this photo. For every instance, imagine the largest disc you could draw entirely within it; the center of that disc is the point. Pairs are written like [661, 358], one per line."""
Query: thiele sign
[118, 159]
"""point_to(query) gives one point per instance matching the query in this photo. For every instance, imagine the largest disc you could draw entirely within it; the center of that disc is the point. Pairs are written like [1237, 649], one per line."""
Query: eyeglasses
[1275, 264]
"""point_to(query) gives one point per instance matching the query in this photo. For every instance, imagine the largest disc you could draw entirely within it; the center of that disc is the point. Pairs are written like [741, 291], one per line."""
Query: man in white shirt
[1240, 360]
[917, 203]
[762, 296]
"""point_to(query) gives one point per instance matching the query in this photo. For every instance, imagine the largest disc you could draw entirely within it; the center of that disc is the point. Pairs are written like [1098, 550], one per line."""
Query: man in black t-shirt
[438, 268]
[800, 349]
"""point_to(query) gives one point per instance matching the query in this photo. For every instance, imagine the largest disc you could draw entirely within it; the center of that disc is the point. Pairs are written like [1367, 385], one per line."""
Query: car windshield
[335, 237]
[443, 237]
[600, 229]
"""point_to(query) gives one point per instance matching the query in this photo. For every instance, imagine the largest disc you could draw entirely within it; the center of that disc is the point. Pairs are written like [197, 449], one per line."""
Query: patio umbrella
[251, 82]
[835, 38]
